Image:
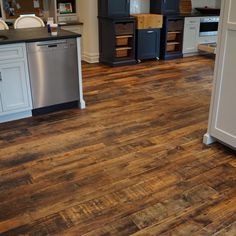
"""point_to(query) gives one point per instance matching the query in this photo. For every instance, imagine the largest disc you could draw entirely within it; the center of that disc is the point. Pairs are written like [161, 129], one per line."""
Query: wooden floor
[132, 163]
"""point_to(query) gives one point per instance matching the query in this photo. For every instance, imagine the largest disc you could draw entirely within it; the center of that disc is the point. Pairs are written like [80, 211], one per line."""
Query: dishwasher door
[53, 67]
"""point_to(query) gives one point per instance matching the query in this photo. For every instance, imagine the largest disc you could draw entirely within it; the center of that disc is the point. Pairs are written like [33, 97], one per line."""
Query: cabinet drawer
[192, 20]
[11, 52]
[124, 28]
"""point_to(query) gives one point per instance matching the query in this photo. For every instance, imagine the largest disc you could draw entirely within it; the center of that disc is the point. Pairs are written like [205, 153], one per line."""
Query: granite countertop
[33, 35]
[197, 14]
[192, 14]
[72, 23]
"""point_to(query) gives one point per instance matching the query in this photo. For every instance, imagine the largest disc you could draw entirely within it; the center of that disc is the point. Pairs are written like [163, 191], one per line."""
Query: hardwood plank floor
[132, 163]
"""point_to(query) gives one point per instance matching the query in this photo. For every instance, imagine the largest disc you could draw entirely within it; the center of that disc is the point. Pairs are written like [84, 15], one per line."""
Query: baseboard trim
[16, 116]
[208, 139]
[90, 57]
[190, 54]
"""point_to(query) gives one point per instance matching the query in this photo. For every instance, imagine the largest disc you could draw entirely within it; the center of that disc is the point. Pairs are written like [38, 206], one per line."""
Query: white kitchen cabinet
[13, 86]
[191, 35]
[0, 105]
[15, 94]
[223, 113]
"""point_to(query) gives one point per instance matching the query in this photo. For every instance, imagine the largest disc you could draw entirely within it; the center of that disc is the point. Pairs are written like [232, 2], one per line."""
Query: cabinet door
[148, 43]
[164, 6]
[191, 36]
[171, 6]
[13, 86]
[0, 104]
[223, 116]
[118, 7]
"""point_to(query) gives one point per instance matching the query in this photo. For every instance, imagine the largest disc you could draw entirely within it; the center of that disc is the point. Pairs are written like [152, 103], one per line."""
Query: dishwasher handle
[54, 43]
[51, 45]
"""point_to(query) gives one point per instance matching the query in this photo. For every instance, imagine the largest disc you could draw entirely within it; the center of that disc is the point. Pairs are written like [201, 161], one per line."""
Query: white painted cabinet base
[191, 35]
[222, 121]
[15, 116]
[208, 139]
[15, 93]
[81, 96]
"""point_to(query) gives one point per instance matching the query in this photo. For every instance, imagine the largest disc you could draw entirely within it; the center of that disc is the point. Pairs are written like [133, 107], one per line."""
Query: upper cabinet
[164, 7]
[63, 10]
[113, 8]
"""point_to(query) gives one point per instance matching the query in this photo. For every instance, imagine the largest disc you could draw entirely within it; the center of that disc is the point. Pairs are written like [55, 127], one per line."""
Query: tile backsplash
[143, 6]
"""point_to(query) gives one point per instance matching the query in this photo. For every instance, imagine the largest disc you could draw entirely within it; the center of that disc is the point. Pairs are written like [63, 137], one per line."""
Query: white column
[81, 96]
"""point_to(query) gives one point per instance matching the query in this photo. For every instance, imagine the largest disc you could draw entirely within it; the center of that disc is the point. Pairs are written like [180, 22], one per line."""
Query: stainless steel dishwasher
[53, 72]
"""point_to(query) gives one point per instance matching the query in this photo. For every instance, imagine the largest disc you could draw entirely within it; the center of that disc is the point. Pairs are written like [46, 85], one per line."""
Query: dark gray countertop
[33, 35]
[192, 14]
[71, 23]
[196, 14]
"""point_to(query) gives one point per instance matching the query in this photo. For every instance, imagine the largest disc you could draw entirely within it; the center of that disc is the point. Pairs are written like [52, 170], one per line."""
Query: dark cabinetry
[164, 7]
[172, 37]
[113, 8]
[148, 43]
[117, 40]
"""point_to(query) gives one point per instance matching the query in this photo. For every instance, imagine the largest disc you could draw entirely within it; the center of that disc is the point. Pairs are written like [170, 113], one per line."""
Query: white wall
[139, 6]
[87, 11]
[208, 3]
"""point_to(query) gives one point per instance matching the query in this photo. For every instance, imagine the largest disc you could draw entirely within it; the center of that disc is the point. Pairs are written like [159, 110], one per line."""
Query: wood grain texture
[132, 163]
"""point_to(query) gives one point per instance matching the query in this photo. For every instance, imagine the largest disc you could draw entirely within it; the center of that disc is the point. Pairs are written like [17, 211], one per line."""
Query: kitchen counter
[73, 23]
[192, 14]
[196, 14]
[25, 62]
[33, 35]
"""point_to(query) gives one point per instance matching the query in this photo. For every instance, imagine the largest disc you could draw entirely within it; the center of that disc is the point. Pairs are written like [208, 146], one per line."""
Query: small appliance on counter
[185, 6]
[208, 10]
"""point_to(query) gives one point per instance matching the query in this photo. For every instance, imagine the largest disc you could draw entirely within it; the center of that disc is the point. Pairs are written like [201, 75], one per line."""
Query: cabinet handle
[0, 76]
[150, 31]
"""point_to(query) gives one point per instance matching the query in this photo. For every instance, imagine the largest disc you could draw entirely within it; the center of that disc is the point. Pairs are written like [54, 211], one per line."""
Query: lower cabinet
[148, 44]
[0, 105]
[13, 86]
[117, 41]
[172, 37]
[15, 94]
[191, 34]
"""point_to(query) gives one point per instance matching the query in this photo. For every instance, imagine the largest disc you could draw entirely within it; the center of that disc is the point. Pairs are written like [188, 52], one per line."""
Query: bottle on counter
[49, 23]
